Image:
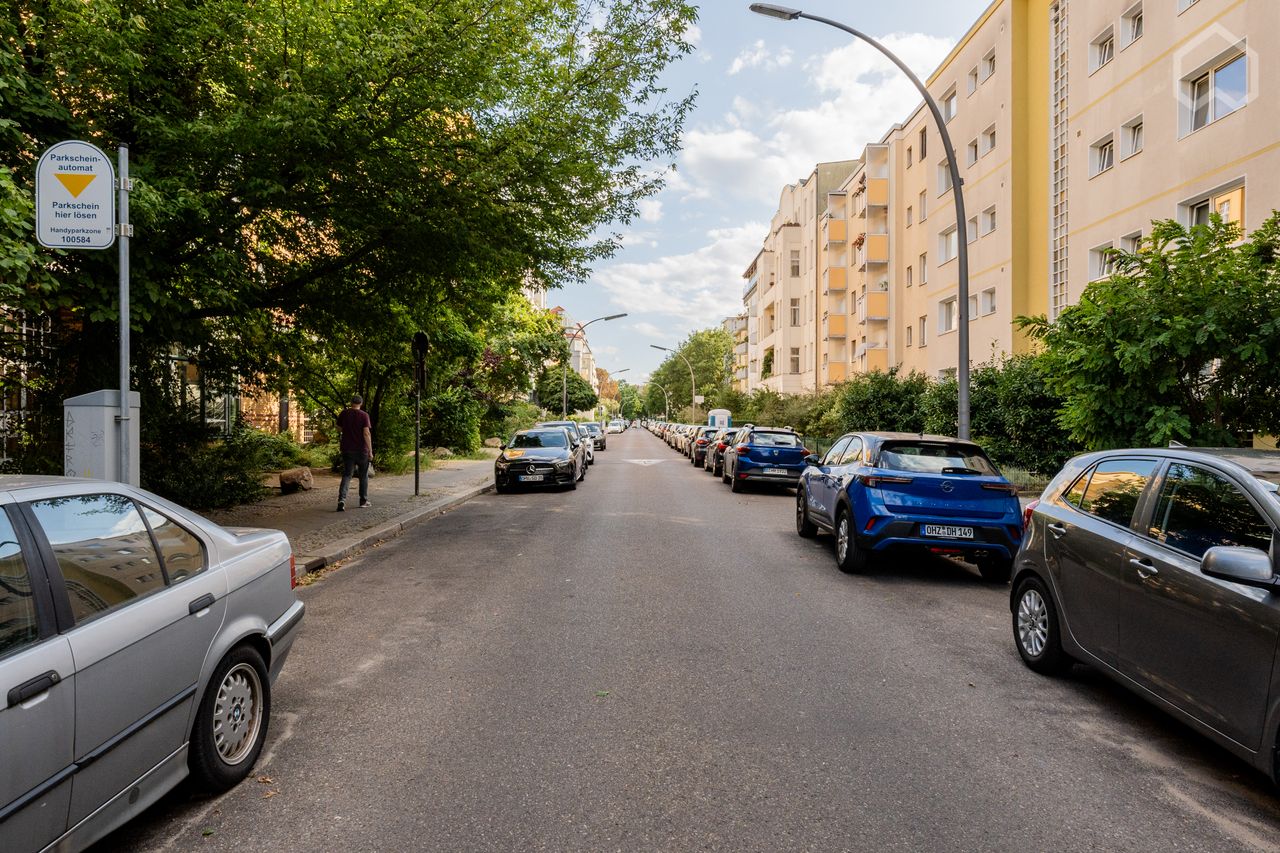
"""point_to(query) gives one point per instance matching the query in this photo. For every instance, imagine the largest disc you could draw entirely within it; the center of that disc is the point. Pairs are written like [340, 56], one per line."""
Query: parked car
[596, 432]
[1157, 567]
[701, 441]
[763, 455]
[881, 491]
[544, 456]
[138, 646]
[616, 427]
[579, 436]
[713, 461]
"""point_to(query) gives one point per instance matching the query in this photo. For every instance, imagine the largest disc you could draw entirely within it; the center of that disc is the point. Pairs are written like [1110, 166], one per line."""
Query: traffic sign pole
[123, 232]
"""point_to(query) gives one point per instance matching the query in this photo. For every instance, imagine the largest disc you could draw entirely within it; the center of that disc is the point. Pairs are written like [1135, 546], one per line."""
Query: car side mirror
[1248, 566]
[812, 459]
[503, 447]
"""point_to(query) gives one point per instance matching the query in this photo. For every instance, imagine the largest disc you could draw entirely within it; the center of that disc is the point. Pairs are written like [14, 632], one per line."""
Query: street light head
[615, 316]
[769, 10]
[655, 346]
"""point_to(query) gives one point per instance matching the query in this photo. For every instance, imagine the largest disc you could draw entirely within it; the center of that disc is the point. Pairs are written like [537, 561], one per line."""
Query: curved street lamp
[769, 10]
[693, 387]
[564, 377]
[665, 394]
[609, 374]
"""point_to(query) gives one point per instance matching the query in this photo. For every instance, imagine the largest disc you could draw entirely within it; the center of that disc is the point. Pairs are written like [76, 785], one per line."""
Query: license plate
[532, 478]
[776, 471]
[946, 531]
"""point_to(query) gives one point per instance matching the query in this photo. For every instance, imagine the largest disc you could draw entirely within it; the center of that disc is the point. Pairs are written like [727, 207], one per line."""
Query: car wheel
[500, 488]
[1035, 628]
[736, 484]
[804, 526]
[995, 569]
[231, 723]
[850, 559]
[724, 474]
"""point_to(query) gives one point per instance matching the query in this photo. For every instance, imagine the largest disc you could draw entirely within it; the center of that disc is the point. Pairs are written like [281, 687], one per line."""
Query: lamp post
[609, 374]
[770, 10]
[665, 394]
[693, 387]
[564, 378]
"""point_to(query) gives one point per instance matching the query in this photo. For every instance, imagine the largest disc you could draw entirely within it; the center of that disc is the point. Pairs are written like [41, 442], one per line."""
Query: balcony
[878, 192]
[835, 280]
[834, 326]
[835, 231]
[874, 251]
[875, 305]
[837, 371]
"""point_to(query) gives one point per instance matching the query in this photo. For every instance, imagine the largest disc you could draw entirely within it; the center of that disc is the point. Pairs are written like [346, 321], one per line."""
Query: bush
[882, 401]
[189, 463]
[451, 419]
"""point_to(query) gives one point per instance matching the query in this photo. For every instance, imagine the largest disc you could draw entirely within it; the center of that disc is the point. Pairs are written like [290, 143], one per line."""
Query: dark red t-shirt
[353, 423]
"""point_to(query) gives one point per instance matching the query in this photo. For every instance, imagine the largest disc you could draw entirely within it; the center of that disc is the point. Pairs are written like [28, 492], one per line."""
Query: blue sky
[774, 98]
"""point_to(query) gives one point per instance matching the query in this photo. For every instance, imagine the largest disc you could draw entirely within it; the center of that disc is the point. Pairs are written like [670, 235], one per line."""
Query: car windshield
[592, 428]
[775, 439]
[934, 457]
[547, 438]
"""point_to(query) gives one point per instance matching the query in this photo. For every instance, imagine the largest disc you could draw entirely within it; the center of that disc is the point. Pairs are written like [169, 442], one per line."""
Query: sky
[773, 98]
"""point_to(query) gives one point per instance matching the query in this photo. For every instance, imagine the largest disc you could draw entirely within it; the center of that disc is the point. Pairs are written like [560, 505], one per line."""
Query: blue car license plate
[948, 531]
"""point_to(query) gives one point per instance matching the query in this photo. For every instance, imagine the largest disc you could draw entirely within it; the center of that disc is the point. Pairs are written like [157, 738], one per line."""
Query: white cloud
[650, 210]
[699, 287]
[759, 56]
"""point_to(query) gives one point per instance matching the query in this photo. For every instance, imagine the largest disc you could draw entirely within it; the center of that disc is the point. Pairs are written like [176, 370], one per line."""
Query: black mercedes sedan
[543, 456]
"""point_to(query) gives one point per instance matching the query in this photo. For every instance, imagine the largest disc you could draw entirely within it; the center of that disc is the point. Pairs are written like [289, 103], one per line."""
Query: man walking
[356, 445]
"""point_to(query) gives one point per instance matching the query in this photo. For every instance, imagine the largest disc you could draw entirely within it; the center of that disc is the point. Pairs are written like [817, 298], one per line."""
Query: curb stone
[341, 549]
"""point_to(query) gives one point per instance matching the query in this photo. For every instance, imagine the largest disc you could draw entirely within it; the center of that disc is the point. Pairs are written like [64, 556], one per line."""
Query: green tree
[551, 387]
[1181, 343]
[630, 404]
[709, 351]
[882, 401]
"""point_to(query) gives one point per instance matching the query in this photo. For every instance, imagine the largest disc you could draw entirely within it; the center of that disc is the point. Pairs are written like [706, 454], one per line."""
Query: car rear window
[549, 438]
[936, 457]
[774, 439]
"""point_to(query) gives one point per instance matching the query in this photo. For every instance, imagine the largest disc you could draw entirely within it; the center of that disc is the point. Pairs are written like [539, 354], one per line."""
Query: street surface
[653, 663]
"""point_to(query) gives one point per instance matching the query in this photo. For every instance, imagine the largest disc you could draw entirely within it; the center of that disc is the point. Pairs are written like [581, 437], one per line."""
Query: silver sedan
[138, 645]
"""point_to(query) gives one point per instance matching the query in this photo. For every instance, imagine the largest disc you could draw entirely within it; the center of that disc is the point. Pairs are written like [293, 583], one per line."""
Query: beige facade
[737, 327]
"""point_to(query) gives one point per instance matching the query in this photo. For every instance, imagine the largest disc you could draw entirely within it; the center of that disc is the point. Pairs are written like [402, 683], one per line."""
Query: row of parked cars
[1158, 567]
[551, 453]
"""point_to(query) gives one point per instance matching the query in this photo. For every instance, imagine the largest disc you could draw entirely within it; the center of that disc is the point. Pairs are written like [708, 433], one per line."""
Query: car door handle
[29, 689]
[202, 603]
[1058, 530]
[1145, 569]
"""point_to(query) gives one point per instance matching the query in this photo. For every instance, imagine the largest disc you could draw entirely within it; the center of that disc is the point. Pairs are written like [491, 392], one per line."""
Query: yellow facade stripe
[1160, 58]
[1197, 179]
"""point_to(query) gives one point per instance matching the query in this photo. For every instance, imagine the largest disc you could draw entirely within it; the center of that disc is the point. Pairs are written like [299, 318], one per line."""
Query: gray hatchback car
[1158, 567]
[138, 644]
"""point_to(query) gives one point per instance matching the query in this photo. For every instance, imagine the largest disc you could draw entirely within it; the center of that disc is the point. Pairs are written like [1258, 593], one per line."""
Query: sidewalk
[321, 536]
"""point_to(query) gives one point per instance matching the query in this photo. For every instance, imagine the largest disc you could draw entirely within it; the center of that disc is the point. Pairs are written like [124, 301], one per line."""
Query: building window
[1102, 155]
[795, 262]
[973, 152]
[908, 156]
[1131, 26]
[988, 301]
[1101, 264]
[909, 336]
[973, 80]
[971, 230]
[795, 359]
[1227, 203]
[921, 331]
[989, 220]
[908, 216]
[924, 200]
[1131, 138]
[988, 65]
[947, 314]
[924, 268]
[949, 104]
[795, 312]
[988, 139]
[948, 244]
[924, 139]
[1184, 5]
[1131, 243]
[908, 276]
[973, 308]
[1218, 93]
[1102, 50]
[944, 178]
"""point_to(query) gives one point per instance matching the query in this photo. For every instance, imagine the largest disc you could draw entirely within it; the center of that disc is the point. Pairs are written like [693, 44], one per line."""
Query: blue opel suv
[881, 491]
[763, 455]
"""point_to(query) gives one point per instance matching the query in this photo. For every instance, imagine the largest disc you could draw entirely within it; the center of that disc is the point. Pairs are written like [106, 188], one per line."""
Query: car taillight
[701, 441]
[804, 451]
[1026, 514]
[293, 571]
[1007, 488]
[874, 481]
[742, 448]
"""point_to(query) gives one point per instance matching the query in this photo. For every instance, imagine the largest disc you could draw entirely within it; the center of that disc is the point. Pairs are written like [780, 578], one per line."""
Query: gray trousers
[354, 463]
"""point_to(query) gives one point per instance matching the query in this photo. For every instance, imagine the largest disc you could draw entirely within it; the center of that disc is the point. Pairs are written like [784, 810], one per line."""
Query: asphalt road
[653, 663]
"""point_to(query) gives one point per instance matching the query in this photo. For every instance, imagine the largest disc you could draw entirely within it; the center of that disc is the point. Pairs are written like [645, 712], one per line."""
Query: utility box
[91, 436]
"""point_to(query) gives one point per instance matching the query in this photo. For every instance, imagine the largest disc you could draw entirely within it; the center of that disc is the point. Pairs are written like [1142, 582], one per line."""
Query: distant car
[616, 427]
[763, 455]
[1158, 568]
[578, 434]
[138, 646]
[701, 442]
[597, 433]
[713, 461]
[544, 456]
[882, 491]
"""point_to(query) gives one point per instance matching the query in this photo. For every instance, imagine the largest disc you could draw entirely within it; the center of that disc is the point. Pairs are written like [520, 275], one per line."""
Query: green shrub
[451, 419]
[189, 463]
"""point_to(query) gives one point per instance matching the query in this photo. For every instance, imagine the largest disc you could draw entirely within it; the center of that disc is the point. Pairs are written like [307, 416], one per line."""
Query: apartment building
[785, 323]
[581, 360]
[737, 327]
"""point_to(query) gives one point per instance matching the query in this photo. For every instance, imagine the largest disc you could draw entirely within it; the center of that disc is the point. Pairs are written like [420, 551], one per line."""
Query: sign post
[76, 208]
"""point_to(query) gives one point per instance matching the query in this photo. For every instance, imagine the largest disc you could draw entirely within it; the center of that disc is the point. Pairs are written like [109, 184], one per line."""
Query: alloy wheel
[1033, 622]
[237, 713]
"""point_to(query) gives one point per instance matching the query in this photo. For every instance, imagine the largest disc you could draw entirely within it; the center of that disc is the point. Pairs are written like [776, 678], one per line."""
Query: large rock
[493, 442]
[295, 479]
[442, 453]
